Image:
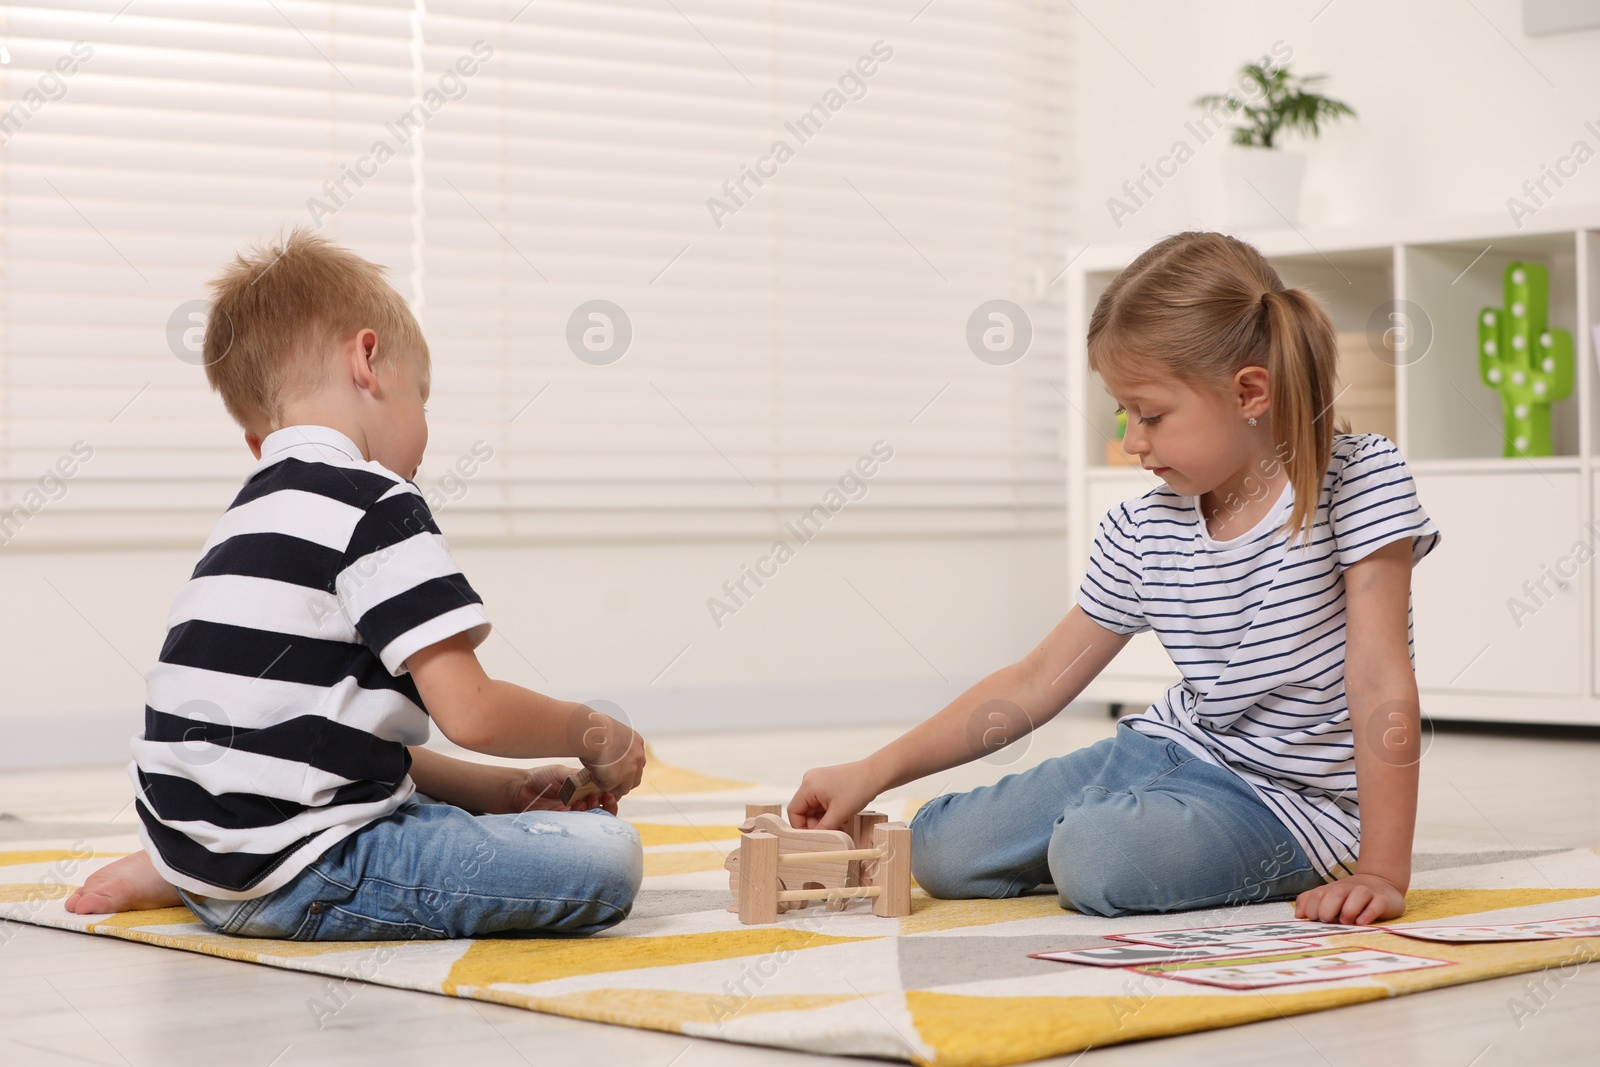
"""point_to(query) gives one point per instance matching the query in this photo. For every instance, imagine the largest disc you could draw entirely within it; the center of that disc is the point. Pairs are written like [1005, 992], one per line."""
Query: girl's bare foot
[129, 884]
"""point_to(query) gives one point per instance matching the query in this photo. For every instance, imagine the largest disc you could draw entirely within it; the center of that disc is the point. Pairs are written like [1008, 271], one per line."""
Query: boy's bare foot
[129, 884]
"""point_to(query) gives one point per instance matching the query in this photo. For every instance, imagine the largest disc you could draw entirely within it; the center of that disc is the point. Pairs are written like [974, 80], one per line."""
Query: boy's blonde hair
[1200, 307]
[278, 307]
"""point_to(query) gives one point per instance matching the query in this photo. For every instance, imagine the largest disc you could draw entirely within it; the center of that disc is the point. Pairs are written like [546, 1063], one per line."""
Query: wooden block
[757, 892]
[731, 863]
[892, 873]
[580, 786]
[861, 827]
[862, 824]
[751, 811]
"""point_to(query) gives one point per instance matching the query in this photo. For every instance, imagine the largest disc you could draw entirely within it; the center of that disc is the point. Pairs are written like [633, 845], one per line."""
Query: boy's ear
[361, 352]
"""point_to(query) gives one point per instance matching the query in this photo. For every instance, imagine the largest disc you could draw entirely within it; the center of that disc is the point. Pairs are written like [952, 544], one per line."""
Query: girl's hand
[1355, 901]
[828, 796]
[539, 789]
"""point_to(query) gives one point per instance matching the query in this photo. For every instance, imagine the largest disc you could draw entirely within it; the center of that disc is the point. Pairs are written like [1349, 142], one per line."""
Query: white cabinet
[1498, 605]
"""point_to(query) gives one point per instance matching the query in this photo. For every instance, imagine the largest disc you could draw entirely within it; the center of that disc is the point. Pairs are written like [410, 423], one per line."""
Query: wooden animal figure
[832, 865]
[806, 876]
[860, 831]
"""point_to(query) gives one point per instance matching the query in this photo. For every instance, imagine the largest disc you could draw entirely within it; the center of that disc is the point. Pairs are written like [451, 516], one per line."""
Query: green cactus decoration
[1524, 360]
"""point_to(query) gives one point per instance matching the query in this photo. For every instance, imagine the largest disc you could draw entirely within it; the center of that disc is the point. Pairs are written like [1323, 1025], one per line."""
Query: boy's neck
[313, 412]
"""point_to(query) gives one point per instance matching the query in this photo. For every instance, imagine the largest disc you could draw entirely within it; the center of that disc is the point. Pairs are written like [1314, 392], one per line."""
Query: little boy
[282, 788]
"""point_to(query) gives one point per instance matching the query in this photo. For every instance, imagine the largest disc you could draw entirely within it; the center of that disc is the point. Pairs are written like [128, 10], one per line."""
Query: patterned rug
[951, 984]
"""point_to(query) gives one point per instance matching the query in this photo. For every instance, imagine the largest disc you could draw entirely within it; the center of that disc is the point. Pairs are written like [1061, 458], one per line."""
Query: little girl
[1275, 567]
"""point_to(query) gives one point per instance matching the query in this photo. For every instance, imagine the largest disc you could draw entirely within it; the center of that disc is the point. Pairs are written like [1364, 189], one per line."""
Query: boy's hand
[1355, 901]
[828, 796]
[616, 755]
[539, 789]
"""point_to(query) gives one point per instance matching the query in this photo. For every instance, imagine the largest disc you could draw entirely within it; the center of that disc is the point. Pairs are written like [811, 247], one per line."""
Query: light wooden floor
[71, 999]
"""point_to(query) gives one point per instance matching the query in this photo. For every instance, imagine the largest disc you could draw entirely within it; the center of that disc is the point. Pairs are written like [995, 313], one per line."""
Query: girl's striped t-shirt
[278, 714]
[1256, 626]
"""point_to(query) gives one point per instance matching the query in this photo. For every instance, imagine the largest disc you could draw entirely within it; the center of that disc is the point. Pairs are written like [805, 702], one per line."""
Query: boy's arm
[485, 789]
[504, 719]
[996, 711]
[478, 787]
[1385, 720]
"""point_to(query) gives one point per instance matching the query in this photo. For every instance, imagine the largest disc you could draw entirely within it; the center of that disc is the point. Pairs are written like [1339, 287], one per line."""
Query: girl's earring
[1252, 420]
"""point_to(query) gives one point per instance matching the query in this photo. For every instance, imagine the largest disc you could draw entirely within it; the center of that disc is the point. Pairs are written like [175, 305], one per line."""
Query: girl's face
[1195, 439]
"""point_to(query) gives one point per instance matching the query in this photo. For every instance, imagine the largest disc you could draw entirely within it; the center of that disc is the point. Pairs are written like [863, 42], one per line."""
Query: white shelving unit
[1512, 527]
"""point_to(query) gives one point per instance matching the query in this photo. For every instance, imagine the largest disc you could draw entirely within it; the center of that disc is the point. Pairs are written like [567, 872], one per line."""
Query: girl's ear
[1250, 390]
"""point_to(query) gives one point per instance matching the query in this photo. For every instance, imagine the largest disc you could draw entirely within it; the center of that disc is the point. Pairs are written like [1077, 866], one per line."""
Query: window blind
[188, 130]
[647, 319]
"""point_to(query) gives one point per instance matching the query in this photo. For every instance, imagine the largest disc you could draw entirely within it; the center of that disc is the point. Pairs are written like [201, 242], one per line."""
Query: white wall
[585, 623]
[1452, 121]
[1452, 116]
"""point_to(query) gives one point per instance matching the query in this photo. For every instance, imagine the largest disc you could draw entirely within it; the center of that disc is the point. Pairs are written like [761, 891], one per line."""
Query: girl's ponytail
[1301, 357]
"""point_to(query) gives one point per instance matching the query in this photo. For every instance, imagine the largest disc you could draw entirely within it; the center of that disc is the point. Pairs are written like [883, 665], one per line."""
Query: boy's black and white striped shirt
[278, 715]
[1256, 625]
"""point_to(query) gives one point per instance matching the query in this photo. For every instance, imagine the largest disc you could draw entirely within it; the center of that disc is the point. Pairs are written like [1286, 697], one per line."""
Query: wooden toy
[859, 836]
[581, 786]
[820, 875]
[789, 867]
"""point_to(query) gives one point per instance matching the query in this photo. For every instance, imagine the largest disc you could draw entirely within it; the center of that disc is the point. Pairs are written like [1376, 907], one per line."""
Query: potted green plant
[1263, 181]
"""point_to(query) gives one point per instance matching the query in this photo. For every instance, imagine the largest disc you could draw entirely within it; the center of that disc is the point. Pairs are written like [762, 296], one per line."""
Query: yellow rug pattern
[950, 985]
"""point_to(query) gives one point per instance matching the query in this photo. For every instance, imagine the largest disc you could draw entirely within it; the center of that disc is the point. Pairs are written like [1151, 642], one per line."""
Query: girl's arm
[993, 713]
[1385, 718]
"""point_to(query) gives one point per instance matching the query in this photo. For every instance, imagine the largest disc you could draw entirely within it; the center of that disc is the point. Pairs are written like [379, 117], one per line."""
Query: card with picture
[1326, 966]
[1131, 954]
[1292, 929]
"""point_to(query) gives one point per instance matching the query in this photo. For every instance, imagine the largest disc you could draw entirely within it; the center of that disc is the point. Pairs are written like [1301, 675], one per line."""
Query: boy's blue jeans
[433, 870]
[1129, 824]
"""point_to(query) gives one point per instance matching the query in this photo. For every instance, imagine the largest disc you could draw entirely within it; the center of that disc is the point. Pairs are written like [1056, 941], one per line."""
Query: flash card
[1327, 966]
[1472, 933]
[1542, 930]
[1132, 954]
[1583, 926]
[1223, 935]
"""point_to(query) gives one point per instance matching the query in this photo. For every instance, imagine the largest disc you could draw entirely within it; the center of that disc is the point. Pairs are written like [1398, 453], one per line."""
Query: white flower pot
[1263, 186]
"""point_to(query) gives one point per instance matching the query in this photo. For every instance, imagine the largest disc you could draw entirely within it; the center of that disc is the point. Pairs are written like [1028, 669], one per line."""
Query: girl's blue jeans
[1129, 824]
[433, 870]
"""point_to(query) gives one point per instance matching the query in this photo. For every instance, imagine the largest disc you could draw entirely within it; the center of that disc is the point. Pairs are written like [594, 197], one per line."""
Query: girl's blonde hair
[1201, 306]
